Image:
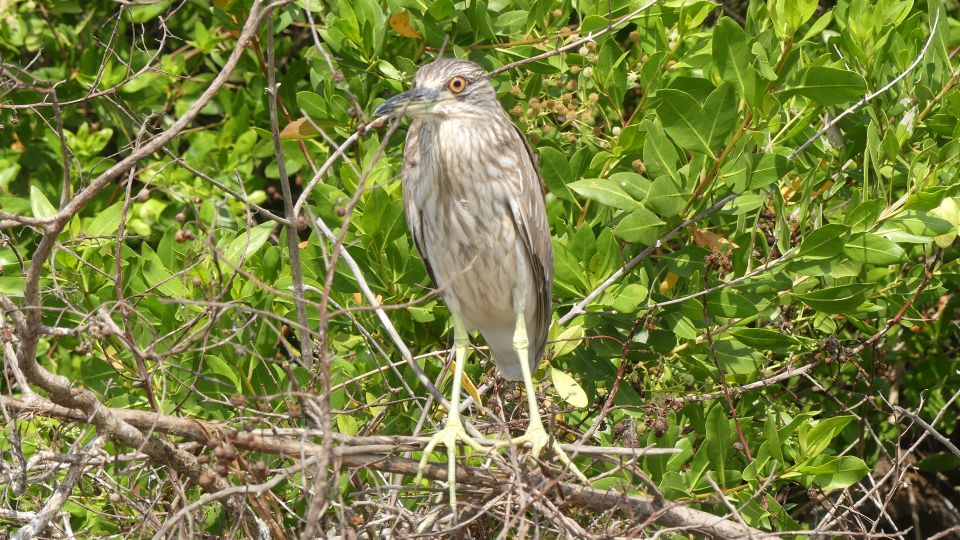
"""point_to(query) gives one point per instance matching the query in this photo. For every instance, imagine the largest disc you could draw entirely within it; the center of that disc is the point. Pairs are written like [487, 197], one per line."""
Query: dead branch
[374, 453]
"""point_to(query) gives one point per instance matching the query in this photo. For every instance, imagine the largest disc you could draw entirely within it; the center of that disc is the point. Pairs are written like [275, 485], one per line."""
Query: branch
[930, 429]
[60, 495]
[60, 388]
[373, 452]
[574, 44]
[869, 97]
[578, 309]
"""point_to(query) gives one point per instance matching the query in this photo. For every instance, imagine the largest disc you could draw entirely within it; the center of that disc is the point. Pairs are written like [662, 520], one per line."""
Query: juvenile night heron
[474, 205]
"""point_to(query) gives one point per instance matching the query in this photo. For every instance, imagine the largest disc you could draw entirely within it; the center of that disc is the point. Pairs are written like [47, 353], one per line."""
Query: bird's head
[445, 89]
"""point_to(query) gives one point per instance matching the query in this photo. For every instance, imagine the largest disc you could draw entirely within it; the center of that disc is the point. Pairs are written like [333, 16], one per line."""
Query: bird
[473, 199]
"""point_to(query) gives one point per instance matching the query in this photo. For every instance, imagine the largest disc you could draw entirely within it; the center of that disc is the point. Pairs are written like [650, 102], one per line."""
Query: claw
[538, 439]
[448, 436]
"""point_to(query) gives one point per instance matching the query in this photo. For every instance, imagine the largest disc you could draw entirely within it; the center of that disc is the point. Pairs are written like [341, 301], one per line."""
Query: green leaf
[694, 128]
[790, 15]
[555, 168]
[824, 243]
[107, 221]
[865, 215]
[347, 424]
[247, 245]
[726, 303]
[717, 441]
[680, 115]
[829, 86]
[719, 116]
[814, 440]
[221, 367]
[158, 276]
[772, 437]
[568, 389]
[605, 192]
[659, 154]
[315, 106]
[922, 223]
[949, 210]
[568, 340]
[732, 58]
[12, 285]
[767, 169]
[869, 248]
[665, 197]
[836, 300]
[640, 227]
[678, 460]
[939, 462]
[764, 339]
[40, 205]
[738, 359]
[846, 471]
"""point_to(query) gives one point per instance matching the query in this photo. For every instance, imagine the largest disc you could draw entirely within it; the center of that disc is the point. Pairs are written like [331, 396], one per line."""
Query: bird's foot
[452, 432]
[538, 439]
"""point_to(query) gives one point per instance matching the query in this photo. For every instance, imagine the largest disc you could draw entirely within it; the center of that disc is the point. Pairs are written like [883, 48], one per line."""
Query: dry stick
[60, 388]
[318, 504]
[578, 308]
[733, 509]
[869, 97]
[282, 441]
[56, 501]
[306, 344]
[769, 381]
[835, 520]
[376, 452]
[930, 429]
[317, 176]
[574, 44]
[927, 276]
[320, 480]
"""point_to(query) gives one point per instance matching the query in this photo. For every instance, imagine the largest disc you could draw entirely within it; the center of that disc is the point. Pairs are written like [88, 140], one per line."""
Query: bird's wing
[416, 230]
[413, 214]
[530, 218]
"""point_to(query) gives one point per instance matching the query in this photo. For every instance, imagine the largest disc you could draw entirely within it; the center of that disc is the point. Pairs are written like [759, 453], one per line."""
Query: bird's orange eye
[457, 84]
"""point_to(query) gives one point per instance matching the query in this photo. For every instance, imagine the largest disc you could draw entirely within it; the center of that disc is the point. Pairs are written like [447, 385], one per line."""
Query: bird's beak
[411, 103]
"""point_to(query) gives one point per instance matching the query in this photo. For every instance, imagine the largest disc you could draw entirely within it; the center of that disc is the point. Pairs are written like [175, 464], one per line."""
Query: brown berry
[205, 480]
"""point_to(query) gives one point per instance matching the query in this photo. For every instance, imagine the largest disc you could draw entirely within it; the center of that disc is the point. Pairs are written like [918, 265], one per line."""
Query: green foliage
[636, 131]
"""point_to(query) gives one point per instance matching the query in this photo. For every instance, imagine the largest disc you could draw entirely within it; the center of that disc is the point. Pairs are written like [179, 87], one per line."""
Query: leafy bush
[754, 217]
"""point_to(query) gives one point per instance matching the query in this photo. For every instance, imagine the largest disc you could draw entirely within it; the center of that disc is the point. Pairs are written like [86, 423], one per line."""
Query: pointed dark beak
[411, 102]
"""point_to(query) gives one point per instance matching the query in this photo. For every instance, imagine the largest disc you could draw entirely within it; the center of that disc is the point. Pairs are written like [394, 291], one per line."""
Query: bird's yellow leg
[535, 435]
[453, 430]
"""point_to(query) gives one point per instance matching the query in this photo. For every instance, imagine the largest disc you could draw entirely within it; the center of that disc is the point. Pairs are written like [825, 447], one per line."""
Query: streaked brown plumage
[472, 193]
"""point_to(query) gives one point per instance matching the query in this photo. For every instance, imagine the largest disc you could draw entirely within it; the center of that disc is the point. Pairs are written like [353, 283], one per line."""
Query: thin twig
[869, 97]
